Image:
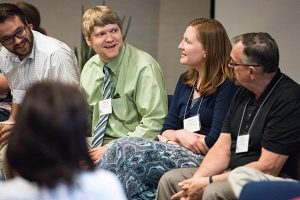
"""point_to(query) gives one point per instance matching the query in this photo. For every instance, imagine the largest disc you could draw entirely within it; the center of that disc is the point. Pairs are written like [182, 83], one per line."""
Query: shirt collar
[277, 76]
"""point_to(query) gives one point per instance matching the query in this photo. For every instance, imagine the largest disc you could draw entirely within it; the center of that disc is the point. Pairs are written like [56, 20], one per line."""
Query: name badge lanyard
[192, 124]
[243, 141]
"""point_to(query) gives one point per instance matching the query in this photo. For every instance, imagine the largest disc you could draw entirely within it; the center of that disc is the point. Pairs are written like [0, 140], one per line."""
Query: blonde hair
[217, 46]
[99, 16]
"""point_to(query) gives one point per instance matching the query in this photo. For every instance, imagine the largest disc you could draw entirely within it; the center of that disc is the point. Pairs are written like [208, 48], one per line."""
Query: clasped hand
[5, 132]
[193, 141]
[97, 153]
[192, 189]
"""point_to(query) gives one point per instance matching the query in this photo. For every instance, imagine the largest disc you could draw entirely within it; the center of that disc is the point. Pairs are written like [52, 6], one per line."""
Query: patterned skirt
[140, 163]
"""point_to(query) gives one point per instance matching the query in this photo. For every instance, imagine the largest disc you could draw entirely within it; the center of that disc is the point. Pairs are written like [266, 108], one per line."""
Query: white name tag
[18, 95]
[192, 124]
[105, 107]
[242, 143]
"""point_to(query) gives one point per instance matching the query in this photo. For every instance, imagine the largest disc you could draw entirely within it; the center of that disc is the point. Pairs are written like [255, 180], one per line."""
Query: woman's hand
[165, 140]
[193, 141]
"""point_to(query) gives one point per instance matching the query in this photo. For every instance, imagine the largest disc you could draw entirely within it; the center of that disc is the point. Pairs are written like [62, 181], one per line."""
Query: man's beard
[16, 51]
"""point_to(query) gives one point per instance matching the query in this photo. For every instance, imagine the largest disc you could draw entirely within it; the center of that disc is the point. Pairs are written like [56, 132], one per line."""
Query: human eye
[19, 32]
[7, 39]
[187, 41]
[100, 34]
[114, 30]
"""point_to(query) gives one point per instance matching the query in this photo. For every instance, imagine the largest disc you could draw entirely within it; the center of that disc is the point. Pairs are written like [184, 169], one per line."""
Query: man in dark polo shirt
[261, 129]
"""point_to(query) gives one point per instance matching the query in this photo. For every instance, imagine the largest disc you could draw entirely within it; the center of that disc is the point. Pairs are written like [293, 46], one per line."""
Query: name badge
[105, 107]
[192, 124]
[242, 143]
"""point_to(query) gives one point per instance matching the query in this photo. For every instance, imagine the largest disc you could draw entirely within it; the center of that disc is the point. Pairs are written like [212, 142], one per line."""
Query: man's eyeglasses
[232, 64]
[21, 32]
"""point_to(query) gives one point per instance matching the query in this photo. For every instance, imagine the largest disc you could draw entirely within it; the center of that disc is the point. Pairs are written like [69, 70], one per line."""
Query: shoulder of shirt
[98, 176]
[91, 64]
[3, 52]
[140, 57]
[47, 44]
[288, 87]
[8, 188]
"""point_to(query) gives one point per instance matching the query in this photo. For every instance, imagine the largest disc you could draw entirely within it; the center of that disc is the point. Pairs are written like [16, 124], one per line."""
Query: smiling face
[21, 46]
[106, 41]
[192, 52]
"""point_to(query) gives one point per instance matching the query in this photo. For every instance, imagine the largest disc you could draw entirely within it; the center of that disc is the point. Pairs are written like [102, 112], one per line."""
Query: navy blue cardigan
[212, 111]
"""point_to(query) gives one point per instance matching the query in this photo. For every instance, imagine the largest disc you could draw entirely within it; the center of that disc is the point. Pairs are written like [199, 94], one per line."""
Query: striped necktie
[100, 128]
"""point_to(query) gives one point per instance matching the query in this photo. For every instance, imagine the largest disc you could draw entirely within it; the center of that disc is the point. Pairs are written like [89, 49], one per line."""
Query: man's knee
[4, 168]
[218, 190]
[170, 180]
[168, 184]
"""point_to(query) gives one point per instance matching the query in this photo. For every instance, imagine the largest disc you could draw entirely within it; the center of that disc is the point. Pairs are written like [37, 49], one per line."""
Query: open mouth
[183, 53]
[21, 45]
[110, 46]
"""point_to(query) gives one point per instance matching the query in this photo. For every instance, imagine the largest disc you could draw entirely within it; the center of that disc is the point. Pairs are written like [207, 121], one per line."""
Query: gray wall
[280, 18]
[158, 25]
[174, 15]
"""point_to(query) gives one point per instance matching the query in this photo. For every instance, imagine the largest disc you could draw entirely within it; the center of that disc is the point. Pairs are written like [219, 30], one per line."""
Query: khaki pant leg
[168, 184]
[218, 191]
[3, 162]
[240, 176]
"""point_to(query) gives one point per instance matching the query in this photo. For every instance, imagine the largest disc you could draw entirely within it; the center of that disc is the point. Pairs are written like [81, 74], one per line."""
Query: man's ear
[252, 72]
[30, 26]
[88, 41]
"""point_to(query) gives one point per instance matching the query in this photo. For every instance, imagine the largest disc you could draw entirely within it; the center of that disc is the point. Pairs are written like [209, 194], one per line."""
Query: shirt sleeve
[151, 102]
[64, 67]
[281, 134]
[223, 100]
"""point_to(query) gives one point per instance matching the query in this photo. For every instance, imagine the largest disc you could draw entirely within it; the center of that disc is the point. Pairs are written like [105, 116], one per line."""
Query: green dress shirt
[139, 101]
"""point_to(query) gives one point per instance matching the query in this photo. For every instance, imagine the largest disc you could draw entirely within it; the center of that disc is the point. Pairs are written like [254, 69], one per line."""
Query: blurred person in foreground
[48, 154]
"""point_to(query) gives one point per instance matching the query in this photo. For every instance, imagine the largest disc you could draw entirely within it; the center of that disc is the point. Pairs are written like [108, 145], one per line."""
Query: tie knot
[106, 70]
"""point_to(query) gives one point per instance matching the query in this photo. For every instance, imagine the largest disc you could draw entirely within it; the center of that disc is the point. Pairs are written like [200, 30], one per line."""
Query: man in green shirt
[137, 104]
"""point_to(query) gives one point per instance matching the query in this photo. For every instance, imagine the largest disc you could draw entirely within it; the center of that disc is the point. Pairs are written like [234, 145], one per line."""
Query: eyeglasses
[232, 64]
[21, 32]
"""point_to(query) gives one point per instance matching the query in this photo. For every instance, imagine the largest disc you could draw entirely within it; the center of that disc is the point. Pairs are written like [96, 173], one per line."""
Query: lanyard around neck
[188, 104]
[259, 108]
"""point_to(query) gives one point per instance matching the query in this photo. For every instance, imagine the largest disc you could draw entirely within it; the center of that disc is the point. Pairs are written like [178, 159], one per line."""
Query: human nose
[180, 46]
[17, 40]
[109, 37]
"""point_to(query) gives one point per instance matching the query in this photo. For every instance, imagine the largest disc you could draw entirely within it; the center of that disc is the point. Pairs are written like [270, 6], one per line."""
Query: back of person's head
[260, 48]
[216, 43]
[32, 15]
[8, 11]
[48, 144]
[99, 16]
